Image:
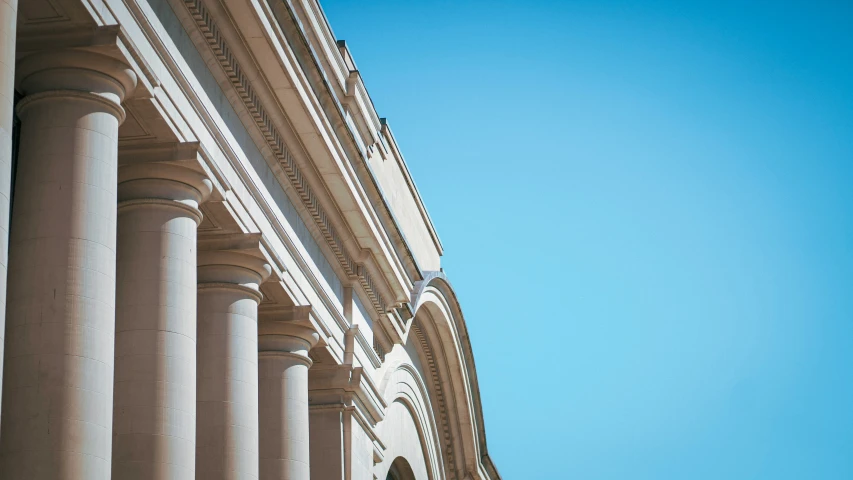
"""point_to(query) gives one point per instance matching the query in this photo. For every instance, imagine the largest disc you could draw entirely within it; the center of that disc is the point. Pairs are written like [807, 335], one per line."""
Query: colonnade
[132, 352]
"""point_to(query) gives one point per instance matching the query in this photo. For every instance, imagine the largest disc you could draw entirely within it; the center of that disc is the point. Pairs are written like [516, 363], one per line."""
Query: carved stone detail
[446, 434]
[274, 140]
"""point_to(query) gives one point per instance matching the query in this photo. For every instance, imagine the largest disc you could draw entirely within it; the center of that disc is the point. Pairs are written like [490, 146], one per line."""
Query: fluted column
[8, 29]
[285, 337]
[58, 379]
[227, 425]
[155, 380]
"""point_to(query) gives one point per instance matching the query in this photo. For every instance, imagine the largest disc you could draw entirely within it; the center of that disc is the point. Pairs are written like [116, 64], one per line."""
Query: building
[219, 266]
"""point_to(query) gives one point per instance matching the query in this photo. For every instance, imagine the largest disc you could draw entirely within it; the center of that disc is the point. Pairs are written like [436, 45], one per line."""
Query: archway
[400, 470]
[440, 329]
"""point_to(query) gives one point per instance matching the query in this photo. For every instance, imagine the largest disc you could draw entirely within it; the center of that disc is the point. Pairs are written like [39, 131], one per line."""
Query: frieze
[246, 92]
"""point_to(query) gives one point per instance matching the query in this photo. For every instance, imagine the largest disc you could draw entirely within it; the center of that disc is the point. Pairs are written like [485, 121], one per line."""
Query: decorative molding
[42, 11]
[267, 298]
[370, 287]
[440, 397]
[208, 224]
[134, 128]
[114, 108]
[137, 202]
[256, 294]
[377, 348]
[295, 356]
[246, 92]
[347, 384]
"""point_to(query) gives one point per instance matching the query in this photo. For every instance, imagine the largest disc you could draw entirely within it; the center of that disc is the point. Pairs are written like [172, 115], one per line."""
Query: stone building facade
[218, 264]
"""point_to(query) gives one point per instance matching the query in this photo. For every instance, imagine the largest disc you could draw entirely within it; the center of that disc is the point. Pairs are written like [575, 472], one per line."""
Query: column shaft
[58, 382]
[284, 416]
[227, 426]
[155, 379]
[286, 337]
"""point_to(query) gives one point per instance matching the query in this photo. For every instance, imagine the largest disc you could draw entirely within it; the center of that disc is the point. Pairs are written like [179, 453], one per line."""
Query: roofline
[384, 123]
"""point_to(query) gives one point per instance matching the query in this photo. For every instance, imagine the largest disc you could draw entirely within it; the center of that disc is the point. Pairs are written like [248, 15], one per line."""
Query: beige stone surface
[58, 379]
[340, 446]
[401, 433]
[155, 379]
[402, 196]
[326, 443]
[142, 344]
[227, 398]
[284, 341]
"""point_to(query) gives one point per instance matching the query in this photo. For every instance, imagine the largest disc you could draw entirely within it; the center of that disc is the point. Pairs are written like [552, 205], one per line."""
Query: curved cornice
[437, 282]
[417, 399]
[441, 400]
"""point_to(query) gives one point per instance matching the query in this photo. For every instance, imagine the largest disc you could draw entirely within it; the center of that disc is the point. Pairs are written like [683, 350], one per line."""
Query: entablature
[270, 65]
[313, 155]
[267, 75]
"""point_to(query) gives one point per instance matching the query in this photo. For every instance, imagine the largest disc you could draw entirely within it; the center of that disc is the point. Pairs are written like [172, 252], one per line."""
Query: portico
[218, 264]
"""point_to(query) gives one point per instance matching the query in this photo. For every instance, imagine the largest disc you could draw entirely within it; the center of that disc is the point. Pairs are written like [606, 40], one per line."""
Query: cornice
[368, 110]
[275, 142]
[441, 400]
[427, 332]
[396, 269]
[344, 130]
[401, 161]
[357, 96]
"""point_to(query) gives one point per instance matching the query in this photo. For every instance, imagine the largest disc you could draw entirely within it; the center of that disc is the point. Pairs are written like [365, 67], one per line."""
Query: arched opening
[440, 327]
[400, 470]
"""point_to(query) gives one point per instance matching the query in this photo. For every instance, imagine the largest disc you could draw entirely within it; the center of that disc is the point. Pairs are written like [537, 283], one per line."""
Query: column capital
[163, 174]
[110, 40]
[72, 73]
[232, 262]
[286, 330]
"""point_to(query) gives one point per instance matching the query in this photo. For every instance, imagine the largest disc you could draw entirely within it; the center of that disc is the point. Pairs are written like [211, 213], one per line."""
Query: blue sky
[647, 212]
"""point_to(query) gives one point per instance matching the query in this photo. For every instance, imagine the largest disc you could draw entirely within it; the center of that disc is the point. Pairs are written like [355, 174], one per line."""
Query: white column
[227, 425]
[58, 381]
[8, 29]
[285, 337]
[155, 379]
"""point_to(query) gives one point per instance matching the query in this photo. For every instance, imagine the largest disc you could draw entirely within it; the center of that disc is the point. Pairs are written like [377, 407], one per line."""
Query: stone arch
[440, 329]
[400, 470]
[407, 395]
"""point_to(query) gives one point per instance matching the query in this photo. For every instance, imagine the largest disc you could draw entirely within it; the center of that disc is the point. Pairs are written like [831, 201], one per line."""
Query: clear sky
[647, 213]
